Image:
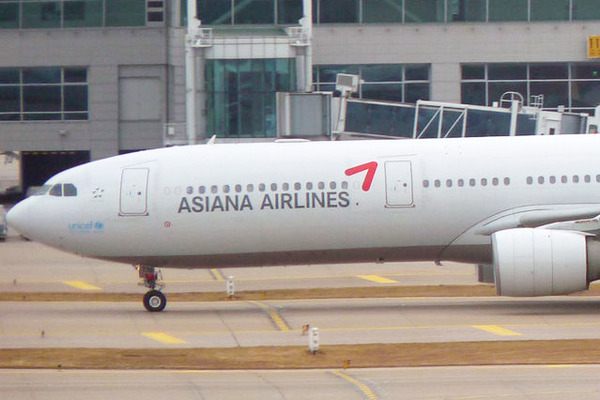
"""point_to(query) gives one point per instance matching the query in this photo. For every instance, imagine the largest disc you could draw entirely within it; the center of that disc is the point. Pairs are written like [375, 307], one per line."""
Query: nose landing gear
[154, 300]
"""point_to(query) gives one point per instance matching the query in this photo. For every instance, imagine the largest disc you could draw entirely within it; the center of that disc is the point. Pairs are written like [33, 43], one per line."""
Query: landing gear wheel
[155, 301]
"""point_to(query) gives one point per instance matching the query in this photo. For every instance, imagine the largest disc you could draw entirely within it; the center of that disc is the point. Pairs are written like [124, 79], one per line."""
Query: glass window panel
[391, 92]
[10, 117]
[9, 75]
[508, 10]
[83, 13]
[41, 98]
[417, 72]
[156, 16]
[473, 71]
[382, 11]
[338, 11]
[424, 11]
[555, 93]
[327, 73]
[75, 74]
[41, 117]
[289, 11]
[428, 123]
[548, 71]
[586, 10]
[486, 123]
[76, 98]
[416, 91]
[496, 90]
[525, 125]
[215, 12]
[125, 12]
[41, 14]
[549, 10]
[586, 71]
[79, 116]
[10, 99]
[507, 71]
[473, 93]
[9, 15]
[254, 12]
[41, 75]
[466, 10]
[585, 94]
[381, 72]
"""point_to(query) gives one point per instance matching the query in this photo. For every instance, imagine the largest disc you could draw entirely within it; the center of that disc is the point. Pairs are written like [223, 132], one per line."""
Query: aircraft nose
[18, 218]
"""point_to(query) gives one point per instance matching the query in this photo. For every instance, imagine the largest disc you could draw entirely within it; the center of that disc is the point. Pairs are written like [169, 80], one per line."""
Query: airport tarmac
[32, 267]
[548, 382]
[280, 323]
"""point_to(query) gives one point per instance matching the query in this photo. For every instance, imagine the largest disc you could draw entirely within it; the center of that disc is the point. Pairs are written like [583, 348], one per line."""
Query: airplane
[525, 209]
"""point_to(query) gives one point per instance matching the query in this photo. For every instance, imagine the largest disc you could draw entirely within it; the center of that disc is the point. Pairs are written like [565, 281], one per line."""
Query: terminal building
[86, 79]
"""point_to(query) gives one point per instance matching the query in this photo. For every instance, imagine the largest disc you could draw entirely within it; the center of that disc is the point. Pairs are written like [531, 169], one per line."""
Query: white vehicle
[527, 207]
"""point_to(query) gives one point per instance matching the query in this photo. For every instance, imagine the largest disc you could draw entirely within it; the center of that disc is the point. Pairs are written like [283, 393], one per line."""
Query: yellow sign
[594, 47]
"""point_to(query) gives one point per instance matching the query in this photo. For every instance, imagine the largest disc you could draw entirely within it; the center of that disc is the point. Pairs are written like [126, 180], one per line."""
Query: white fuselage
[319, 202]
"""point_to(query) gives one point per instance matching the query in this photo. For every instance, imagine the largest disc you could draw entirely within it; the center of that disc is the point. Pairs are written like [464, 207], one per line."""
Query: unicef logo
[99, 226]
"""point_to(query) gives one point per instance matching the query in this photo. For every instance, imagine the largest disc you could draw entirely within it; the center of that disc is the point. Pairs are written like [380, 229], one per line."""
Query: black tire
[155, 301]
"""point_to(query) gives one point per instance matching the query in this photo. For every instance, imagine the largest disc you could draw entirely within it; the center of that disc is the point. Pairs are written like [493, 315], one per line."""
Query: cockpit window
[42, 190]
[70, 190]
[56, 190]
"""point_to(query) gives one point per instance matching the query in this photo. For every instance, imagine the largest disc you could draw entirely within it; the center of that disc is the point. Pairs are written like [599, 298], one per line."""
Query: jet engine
[543, 262]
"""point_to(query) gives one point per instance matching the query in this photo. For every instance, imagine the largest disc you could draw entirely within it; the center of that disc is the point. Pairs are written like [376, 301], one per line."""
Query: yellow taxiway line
[274, 315]
[497, 330]
[361, 386]
[81, 285]
[163, 337]
[376, 279]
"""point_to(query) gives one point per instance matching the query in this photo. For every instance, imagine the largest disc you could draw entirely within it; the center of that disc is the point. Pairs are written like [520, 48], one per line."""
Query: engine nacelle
[543, 262]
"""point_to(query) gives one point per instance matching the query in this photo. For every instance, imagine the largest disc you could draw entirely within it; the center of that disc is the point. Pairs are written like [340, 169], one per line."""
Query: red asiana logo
[370, 167]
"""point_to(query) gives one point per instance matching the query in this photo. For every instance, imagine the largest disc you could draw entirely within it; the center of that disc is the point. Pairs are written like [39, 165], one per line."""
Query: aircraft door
[134, 192]
[398, 183]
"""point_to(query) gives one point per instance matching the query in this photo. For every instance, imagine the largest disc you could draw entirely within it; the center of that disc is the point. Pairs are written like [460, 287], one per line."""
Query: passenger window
[214, 189]
[321, 185]
[309, 185]
[188, 190]
[262, 187]
[297, 186]
[495, 181]
[449, 182]
[273, 187]
[56, 190]
[425, 183]
[564, 179]
[529, 180]
[202, 189]
[472, 182]
[437, 183]
[238, 188]
[575, 178]
[506, 181]
[461, 182]
[250, 188]
[332, 185]
[70, 190]
[483, 182]
[285, 187]
[226, 189]
[541, 180]
[587, 179]
[552, 179]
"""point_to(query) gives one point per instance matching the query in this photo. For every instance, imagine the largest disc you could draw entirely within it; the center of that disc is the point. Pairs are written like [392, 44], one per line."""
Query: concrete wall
[446, 46]
[104, 52]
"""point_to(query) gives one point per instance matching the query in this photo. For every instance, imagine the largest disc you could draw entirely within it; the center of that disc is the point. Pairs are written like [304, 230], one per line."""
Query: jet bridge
[327, 116]
[431, 119]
